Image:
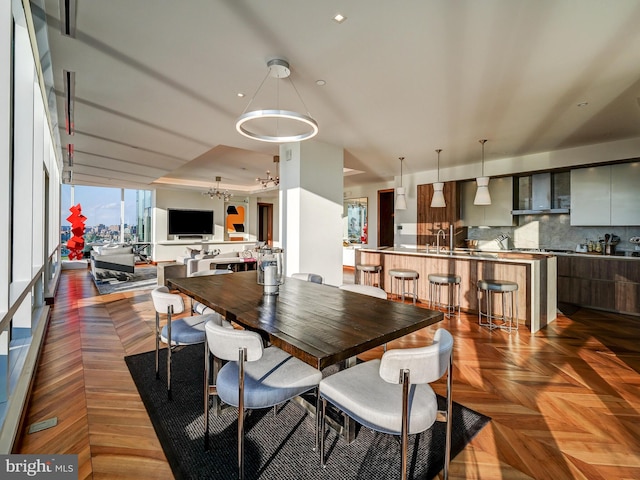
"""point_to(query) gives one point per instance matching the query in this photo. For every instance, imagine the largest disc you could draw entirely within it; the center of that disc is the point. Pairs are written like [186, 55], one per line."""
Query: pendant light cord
[438, 152]
[482, 142]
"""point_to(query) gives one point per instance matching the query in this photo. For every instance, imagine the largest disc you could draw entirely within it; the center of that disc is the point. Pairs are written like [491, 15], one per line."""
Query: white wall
[167, 249]
[370, 191]
[26, 271]
[312, 204]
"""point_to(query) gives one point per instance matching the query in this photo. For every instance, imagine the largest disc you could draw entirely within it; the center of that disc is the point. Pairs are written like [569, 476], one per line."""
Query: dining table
[320, 324]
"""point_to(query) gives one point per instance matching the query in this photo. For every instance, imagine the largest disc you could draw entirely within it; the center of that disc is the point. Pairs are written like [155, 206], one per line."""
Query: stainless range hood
[541, 192]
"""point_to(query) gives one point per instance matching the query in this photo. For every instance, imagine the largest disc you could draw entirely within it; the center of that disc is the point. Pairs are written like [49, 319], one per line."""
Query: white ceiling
[157, 82]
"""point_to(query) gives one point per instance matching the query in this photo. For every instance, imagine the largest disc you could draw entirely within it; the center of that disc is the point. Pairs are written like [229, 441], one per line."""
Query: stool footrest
[508, 316]
[403, 274]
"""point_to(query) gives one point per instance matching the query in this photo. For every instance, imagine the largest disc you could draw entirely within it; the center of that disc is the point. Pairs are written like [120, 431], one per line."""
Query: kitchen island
[535, 273]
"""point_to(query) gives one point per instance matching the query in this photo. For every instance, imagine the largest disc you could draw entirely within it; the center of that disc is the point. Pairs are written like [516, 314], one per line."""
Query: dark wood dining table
[319, 324]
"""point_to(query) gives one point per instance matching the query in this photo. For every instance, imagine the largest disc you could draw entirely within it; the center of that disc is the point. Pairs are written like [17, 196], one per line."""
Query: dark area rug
[144, 278]
[278, 447]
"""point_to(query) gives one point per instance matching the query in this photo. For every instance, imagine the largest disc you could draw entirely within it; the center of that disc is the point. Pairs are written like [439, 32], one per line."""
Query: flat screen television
[189, 222]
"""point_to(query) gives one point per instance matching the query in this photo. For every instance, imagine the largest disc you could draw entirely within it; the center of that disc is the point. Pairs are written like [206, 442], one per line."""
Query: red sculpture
[76, 243]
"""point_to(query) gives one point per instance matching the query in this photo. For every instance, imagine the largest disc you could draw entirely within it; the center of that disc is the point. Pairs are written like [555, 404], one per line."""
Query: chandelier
[213, 193]
[270, 181]
[273, 124]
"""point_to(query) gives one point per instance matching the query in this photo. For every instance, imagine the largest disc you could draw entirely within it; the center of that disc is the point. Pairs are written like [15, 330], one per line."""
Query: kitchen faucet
[444, 235]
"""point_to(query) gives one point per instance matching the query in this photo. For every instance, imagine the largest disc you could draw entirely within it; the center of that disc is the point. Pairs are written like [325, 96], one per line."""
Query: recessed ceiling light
[339, 18]
[321, 83]
[583, 104]
[240, 94]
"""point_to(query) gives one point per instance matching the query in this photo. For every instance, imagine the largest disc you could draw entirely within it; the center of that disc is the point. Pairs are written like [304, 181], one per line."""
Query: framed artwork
[236, 221]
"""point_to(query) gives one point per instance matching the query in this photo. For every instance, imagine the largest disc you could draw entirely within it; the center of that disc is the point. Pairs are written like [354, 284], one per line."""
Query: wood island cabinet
[535, 275]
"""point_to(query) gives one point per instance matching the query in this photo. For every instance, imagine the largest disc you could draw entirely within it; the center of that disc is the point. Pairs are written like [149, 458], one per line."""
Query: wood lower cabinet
[604, 283]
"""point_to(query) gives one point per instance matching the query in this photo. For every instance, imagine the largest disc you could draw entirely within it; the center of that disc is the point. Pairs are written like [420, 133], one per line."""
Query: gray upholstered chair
[179, 332]
[365, 290]
[200, 308]
[308, 277]
[393, 395]
[253, 377]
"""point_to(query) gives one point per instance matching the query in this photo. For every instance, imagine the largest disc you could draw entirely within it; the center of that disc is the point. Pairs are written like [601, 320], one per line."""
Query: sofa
[112, 261]
[197, 260]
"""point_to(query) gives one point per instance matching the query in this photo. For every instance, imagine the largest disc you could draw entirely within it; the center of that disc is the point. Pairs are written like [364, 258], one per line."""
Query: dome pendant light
[482, 193]
[401, 201]
[438, 189]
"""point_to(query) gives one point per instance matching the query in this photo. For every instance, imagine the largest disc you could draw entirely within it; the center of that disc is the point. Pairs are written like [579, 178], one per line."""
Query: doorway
[386, 219]
[265, 223]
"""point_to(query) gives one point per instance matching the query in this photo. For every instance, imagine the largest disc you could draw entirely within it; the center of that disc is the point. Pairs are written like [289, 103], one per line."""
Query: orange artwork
[235, 218]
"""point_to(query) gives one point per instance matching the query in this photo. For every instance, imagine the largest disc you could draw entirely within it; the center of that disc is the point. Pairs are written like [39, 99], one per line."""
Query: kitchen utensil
[606, 238]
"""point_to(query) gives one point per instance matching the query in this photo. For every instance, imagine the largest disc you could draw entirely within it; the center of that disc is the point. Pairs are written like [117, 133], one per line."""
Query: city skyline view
[101, 205]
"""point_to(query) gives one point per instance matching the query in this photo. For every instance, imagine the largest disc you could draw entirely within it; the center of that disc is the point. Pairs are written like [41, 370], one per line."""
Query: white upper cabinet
[591, 196]
[625, 194]
[498, 214]
[608, 195]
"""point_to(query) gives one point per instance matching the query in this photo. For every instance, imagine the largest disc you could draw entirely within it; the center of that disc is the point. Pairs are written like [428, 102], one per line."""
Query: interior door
[386, 209]
[265, 223]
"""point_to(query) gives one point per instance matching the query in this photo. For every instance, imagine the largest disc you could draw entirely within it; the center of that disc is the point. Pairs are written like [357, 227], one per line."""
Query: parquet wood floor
[565, 402]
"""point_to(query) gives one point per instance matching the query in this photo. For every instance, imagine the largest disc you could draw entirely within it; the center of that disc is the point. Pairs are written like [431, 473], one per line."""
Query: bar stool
[452, 282]
[368, 271]
[404, 274]
[504, 288]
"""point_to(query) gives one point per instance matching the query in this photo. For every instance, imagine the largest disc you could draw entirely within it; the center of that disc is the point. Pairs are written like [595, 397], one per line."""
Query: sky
[100, 205]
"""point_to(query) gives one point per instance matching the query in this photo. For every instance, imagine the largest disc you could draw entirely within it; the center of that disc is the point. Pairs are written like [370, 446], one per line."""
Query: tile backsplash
[549, 232]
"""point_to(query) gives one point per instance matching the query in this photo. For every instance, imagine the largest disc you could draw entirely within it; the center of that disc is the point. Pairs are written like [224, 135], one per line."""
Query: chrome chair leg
[317, 390]
[242, 356]
[404, 437]
[157, 346]
[207, 367]
[322, 414]
[169, 348]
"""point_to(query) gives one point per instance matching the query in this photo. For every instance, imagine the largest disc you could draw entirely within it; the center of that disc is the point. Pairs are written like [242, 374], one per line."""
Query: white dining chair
[183, 331]
[308, 277]
[392, 395]
[253, 377]
[365, 290]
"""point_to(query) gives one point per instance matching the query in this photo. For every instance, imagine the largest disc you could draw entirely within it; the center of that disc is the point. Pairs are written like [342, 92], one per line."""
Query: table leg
[348, 423]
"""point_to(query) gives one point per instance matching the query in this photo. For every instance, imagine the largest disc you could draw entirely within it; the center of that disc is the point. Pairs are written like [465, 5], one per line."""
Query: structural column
[311, 198]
